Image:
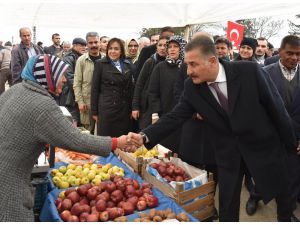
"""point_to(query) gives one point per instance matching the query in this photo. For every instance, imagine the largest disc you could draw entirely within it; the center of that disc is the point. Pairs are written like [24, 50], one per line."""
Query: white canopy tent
[133, 14]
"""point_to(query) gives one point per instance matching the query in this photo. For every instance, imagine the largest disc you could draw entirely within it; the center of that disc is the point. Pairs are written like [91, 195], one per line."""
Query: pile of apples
[72, 175]
[107, 201]
[170, 172]
[143, 152]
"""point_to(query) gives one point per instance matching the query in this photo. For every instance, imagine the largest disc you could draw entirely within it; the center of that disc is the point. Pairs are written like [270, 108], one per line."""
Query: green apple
[62, 195]
[64, 185]
[104, 169]
[96, 181]
[78, 168]
[84, 180]
[79, 174]
[87, 165]
[56, 180]
[94, 167]
[54, 172]
[86, 171]
[62, 169]
[71, 167]
[59, 174]
[77, 181]
[91, 176]
[105, 176]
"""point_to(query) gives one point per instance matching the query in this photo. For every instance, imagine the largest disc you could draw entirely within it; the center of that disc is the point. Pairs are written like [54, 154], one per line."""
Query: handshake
[130, 142]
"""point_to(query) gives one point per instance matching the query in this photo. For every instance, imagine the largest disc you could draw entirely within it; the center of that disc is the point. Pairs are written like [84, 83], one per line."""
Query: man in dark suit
[286, 76]
[246, 120]
[271, 60]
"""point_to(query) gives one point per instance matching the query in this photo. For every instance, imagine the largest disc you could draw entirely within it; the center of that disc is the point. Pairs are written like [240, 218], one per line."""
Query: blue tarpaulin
[49, 212]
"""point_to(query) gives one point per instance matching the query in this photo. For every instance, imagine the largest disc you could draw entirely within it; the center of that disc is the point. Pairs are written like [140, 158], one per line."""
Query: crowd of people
[233, 113]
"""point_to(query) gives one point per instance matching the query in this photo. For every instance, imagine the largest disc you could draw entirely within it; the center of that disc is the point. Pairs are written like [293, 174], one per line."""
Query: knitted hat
[45, 70]
[250, 42]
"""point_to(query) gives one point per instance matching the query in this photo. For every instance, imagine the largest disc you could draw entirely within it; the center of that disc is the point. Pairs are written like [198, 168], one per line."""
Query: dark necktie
[222, 98]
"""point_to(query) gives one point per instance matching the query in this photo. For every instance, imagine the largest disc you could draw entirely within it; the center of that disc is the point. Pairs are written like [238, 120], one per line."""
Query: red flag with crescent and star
[235, 33]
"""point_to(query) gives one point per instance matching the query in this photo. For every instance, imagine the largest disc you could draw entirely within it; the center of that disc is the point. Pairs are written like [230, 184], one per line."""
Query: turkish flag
[235, 33]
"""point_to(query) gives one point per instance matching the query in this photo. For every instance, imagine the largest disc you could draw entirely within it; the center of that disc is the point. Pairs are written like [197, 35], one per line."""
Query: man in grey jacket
[21, 53]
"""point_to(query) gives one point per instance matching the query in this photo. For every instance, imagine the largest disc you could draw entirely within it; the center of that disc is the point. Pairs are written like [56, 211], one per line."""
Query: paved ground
[265, 213]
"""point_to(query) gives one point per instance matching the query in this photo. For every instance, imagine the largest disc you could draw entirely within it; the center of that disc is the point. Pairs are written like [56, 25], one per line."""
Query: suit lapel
[233, 86]
[277, 77]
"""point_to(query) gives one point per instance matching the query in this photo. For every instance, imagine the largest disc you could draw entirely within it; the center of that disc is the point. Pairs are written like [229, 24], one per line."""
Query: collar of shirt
[289, 75]
[221, 77]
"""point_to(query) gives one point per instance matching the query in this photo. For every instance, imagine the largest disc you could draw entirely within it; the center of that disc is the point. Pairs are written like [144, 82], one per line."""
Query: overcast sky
[44, 35]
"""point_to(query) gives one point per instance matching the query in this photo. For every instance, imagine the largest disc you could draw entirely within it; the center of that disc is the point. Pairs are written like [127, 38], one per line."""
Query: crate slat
[199, 203]
[204, 189]
[205, 213]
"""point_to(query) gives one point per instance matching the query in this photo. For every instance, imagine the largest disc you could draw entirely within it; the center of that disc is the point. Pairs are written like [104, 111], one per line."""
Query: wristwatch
[145, 138]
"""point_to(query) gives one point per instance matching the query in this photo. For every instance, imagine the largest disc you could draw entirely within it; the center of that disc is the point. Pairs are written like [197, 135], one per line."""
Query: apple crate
[41, 191]
[198, 201]
[135, 164]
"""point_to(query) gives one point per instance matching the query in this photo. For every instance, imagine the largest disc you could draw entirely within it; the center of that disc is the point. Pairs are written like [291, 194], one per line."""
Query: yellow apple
[64, 185]
[62, 169]
[96, 181]
[84, 180]
[71, 167]
[54, 172]
[56, 180]
[91, 176]
[62, 195]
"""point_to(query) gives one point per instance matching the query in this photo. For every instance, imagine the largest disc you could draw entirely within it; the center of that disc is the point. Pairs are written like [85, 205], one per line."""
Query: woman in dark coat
[140, 105]
[112, 88]
[161, 87]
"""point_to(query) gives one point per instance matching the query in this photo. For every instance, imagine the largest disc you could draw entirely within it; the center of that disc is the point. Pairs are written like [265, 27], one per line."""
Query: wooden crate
[134, 164]
[201, 208]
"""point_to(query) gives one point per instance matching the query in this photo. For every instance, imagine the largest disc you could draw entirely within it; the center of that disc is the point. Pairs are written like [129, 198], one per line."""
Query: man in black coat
[250, 130]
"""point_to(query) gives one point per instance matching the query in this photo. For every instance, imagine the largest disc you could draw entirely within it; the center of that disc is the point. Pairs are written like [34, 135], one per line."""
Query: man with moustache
[83, 77]
[21, 53]
[261, 50]
[56, 47]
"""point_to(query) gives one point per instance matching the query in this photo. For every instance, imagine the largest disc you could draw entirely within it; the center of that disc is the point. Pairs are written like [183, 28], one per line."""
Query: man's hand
[96, 118]
[298, 148]
[82, 108]
[197, 116]
[135, 114]
[135, 139]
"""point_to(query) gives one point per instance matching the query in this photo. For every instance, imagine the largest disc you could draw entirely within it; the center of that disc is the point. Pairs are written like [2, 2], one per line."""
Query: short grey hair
[91, 34]
[24, 28]
[204, 44]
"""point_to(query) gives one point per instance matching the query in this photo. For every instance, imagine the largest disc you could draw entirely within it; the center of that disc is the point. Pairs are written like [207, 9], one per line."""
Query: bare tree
[203, 27]
[294, 28]
[261, 27]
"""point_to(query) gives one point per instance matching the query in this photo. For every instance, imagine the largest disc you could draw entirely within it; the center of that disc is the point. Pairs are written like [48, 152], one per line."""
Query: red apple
[162, 170]
[76, 209]
[128, 208]
[74, 197]
[57, 201]
[104, 216]
[84, 200]
[121, 185]
[116, 196]
[66, 204]
[152, 201]
[178, 171]
[65, 215]
[91, 194]
[83, 217]
[162, 163]
[115, 178]
[105, 196]
[68, 191]
[115, 212]
[86, 208]
[59, 207]
[73, 218]
[134, 200]
[136, 184]
[128, 181]
[141, 205]
[92, 218]
[120, 204]
[101, 205]
[168, 178]
[139, 193]
[170, 171]
[110, 187]
[102, 185]
[92, 203]
[82, 190]
[130, 191]
[142, 198]
[110, 204]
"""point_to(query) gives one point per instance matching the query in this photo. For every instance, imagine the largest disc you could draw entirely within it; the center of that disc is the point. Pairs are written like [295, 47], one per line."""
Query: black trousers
[230, 192]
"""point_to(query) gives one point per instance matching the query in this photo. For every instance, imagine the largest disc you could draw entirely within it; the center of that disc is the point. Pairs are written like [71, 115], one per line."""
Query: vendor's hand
[197, 116]
[82, 108]
[135, 139]
[154, 120]
[96, 118]
[298, 148]
[135, 114]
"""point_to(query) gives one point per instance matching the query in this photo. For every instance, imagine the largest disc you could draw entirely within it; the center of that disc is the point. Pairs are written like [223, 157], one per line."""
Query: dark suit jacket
[145, 54]
[195, 147]
[294, 108]
[255, 130]
[271, 60]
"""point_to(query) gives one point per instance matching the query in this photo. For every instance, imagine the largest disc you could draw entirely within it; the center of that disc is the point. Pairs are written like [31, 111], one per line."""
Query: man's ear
[213, 60]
